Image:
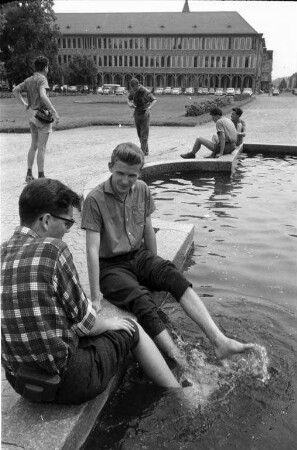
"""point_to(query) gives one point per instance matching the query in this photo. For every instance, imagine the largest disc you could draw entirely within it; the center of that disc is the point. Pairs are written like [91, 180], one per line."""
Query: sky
[275, 19]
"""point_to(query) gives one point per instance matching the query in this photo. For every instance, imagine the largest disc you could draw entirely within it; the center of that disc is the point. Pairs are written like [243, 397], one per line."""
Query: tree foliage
[81, 70]
[28, 30]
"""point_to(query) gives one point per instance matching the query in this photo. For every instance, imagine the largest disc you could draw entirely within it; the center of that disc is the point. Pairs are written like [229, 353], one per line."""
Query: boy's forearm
[150, 241]
[94, 274]
[222, 143]
[17, 93]
[48, 104]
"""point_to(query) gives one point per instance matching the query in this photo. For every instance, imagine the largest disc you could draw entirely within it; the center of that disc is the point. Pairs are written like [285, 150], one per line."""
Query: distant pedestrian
[40, 127]
[239, 124]
[142, 101]
[224, 142]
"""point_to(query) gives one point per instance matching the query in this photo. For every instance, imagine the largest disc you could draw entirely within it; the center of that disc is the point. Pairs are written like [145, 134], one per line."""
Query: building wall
[199, 61]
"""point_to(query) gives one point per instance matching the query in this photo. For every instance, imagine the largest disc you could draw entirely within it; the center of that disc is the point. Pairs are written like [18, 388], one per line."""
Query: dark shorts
[128, 281]
[229, 148]
[96, 361]
[89, 370]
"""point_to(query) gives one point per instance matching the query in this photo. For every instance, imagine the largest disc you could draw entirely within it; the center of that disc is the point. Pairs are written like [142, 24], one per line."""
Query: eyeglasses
[68, 222]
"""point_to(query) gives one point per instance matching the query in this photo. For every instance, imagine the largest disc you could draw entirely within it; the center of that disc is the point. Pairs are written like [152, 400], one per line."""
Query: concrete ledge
[225, 163]
[33, 426]
[277, 149]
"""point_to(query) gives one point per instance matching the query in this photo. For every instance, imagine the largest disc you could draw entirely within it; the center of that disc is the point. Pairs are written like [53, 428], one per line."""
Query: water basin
[244, 267]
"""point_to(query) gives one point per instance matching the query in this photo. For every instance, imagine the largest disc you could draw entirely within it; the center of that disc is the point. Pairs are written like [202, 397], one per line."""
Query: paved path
[75, 156]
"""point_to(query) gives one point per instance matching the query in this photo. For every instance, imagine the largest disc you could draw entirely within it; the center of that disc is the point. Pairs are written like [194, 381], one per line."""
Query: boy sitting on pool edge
[123, 264]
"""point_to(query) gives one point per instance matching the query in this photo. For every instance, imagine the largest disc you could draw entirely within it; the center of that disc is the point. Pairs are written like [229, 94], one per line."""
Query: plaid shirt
[44, 308]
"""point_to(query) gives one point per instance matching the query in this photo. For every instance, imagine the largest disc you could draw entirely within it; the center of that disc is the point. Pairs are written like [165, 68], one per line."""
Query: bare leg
[152, 362]
[202, 141]
[196, 310]
[42, 141]
[33, 148]
[165, 343]
[199, 141]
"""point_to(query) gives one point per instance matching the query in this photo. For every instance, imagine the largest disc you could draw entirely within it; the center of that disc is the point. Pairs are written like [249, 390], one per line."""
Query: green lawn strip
[96, 110]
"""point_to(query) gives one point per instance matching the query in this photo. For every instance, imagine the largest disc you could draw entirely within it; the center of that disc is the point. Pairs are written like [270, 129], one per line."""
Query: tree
[283, 84]
[29, 30]
[82, 70]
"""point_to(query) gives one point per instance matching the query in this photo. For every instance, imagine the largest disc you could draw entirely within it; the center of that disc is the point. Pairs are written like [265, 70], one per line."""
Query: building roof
[155, 23]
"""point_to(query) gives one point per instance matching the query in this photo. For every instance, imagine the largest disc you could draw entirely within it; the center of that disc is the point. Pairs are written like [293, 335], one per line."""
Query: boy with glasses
[52, 338]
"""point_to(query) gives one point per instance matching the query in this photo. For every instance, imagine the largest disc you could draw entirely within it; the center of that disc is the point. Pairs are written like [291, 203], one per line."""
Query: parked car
[176, 91]
[106, 91]
[64, 88]
[211, 91]
[205, 91]
[72, 89]
[199, 91]
[4, 87]
[294, 91]
[230, 91]
[219, 91]
[159, 90]
[248, 91]
[99, 90]
[275, 91]
[120, 90]
[56, 88]
[167, 90]
[237, 91]
[190, 90]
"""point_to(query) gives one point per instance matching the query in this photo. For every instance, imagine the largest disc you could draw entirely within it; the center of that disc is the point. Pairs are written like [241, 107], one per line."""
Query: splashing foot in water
[228, 347]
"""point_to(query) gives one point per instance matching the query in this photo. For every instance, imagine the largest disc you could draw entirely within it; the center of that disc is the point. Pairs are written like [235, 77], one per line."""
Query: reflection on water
[244, 268]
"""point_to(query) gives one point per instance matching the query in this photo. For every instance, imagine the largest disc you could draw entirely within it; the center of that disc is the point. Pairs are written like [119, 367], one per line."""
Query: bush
[197, 109]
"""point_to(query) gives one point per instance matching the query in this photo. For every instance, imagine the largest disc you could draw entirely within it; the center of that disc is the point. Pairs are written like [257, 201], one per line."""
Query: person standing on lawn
[35, 87]
[142, 101]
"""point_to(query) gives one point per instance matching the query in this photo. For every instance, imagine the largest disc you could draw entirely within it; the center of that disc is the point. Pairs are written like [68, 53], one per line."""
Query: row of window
[160, 43]
[169, 61]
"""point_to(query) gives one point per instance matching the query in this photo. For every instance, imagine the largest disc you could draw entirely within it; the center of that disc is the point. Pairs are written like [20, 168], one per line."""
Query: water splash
[208, 376]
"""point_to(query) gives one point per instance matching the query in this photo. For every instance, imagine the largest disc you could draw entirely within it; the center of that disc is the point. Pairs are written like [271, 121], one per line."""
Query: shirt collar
[107, 187]
[26, 231]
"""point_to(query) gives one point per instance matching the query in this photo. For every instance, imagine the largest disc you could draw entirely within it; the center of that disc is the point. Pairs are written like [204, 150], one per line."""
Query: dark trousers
[128, 280]
[90, 368]
[142, 123]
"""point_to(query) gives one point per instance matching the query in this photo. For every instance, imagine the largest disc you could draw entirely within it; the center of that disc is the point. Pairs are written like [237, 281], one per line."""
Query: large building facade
[199, 49]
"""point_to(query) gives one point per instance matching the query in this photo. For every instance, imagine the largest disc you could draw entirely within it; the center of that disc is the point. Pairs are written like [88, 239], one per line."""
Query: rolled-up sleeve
[91, 215]
[77, 307]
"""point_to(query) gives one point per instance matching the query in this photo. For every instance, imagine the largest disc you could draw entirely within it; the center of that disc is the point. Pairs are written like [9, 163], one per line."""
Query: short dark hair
[238, 111]
[40, 63]
[45, 196]
[134, 82]
[216, 112]
[128, 153]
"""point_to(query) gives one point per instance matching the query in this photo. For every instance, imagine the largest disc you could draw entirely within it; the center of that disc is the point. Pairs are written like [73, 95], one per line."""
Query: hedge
[197, 109]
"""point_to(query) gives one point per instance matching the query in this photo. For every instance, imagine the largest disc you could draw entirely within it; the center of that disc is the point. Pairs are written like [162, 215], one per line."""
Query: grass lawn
[90, 109]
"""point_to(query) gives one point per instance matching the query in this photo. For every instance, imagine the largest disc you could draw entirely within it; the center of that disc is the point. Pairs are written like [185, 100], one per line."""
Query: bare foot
[230, 347]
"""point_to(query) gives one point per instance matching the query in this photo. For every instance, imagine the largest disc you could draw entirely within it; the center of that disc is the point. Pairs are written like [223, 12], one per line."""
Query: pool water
[244, 268]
